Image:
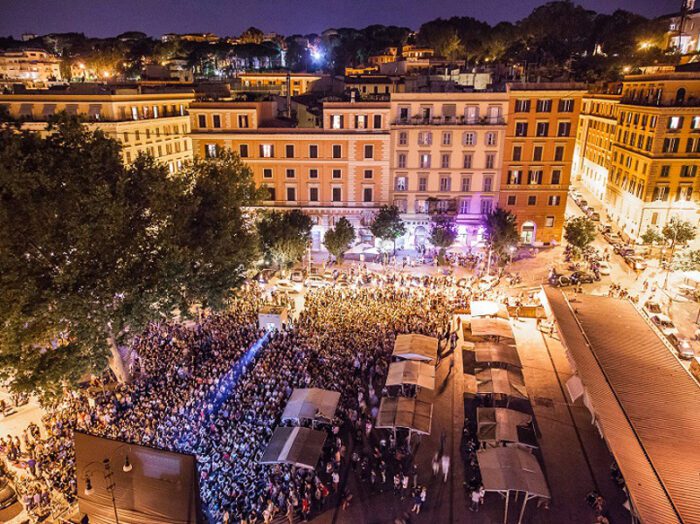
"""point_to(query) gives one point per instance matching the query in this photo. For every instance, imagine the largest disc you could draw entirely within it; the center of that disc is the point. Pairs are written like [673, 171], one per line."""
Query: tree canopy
[284, 236]
[443, 233]
[501, 231]
[387, 224]
[92, 250]
[579, 232]
[338, 239]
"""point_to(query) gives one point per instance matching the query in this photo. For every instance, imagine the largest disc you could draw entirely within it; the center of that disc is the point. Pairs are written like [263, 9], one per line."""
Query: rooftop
[645, 402]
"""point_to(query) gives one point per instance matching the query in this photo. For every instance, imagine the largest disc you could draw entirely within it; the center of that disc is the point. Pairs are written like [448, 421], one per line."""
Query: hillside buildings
[31, 67]
[150, 120]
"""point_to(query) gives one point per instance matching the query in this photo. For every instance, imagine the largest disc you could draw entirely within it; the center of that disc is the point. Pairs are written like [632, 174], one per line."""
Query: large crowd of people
[201, 389]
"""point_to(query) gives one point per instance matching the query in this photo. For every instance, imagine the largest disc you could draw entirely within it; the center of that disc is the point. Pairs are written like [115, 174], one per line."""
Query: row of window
[167, 131]
[401, 183]
[449, 114]
[168, 149]
[360, 121]
[686, 171]
[684, 193]
[542, 129]
[552, 200]
[243, 121]
[469, 138]
[313, 173]
[534, 177]
[146, 112]
[313, 194]
[538, 153]
[268, 151]
[544, 105]
[425, 160]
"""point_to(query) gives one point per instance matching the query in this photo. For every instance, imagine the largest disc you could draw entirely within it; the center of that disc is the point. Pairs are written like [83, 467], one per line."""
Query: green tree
[91, 250]
[284, 236]
[501, 233]
[579, 232]
[387, 224]
[652, 236]
[677, 232]
[338, 239]
[443, 233]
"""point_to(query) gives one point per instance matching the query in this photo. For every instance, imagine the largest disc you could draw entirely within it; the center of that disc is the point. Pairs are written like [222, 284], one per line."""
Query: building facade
[538, 151]
[655, 155]
[144, 120]
[446, 156]
[32, 67]
[278, 83]
[337, 169]
[594, 138]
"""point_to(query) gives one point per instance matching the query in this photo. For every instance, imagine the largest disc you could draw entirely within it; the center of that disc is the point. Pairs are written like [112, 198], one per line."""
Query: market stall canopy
[511, 469]
[416, 347]
[501, 382]
[496, 425]
[298, 446]
[496, 327]
[488, 352]
[411, 372]
[488, 308]
[312, 404]
[403, 412]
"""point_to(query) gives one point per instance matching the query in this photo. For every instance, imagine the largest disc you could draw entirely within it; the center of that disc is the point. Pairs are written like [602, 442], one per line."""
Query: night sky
[230, 17]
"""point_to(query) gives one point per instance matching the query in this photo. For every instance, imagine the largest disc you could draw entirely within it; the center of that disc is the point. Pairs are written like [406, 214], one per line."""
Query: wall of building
[539, 148]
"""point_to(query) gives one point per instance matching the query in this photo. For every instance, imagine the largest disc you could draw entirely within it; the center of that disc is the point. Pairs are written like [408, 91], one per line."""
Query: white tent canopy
[497, 327]
[298, 446]
[488, 308]
[403, 412]
[501, 382]
[312, 404]
[416, 347]
[411, 372]
[497, 425]
[512, 469]
[488, 352]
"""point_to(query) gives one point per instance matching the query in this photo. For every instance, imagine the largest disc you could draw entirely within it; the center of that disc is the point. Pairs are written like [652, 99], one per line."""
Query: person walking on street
[476, 499]
[436, 465]
[445, 466]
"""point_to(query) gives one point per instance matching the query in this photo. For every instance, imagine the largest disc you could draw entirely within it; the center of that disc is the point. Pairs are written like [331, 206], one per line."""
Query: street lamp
[108, 476]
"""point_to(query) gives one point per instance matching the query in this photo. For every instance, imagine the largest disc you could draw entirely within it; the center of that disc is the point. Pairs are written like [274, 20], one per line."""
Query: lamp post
[108, 476]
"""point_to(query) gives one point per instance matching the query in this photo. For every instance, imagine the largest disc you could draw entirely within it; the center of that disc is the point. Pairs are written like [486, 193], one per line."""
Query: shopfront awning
[488, 308]
[494, 381]
[311, 404]
[416, 347]
[494, 327]
[408, 413]
[502, 425]
[512, 469]
[298, 446]
[411, 372]
[491, 352]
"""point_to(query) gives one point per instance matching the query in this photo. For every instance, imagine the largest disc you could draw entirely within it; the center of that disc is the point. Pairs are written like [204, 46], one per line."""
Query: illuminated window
[267, 150]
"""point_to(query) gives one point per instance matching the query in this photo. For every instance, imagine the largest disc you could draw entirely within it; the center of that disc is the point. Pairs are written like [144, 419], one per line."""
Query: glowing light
[316, 54]
[106, 74]
[81, 65]
[228, 382]
[644, 45]
[626, 69]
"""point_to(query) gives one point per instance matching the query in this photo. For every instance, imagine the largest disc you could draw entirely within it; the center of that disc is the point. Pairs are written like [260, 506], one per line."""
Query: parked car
[315, 281]
[682, 345]
[664, 324]
[329, 275]
[595, 216]
[624, 251]
[605, 229]
[582, 277]
[604, 268]
[488, 282]
[583, 203]
[8, 496]
[652, 307]
[636, 262]
[287, 286]
[297, 276]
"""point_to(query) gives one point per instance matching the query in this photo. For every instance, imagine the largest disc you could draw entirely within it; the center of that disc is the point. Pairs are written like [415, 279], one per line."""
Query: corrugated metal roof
[645, 401]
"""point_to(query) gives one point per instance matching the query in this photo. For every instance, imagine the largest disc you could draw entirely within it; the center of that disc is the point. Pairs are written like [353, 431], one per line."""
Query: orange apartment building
[538, 151]
[594, 138]
[656, 152]
[340, 168]
[446, 157]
